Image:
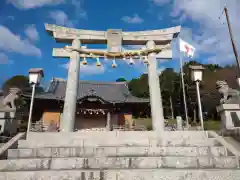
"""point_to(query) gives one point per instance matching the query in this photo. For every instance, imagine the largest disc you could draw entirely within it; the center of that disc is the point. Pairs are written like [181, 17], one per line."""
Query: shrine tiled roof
[113, 92]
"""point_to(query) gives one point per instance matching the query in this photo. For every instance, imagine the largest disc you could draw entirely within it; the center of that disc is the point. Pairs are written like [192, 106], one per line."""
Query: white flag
[187, 48]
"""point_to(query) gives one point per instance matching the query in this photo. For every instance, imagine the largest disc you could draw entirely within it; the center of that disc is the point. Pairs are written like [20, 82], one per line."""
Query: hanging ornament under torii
[145, 61]
[105, 57]
[114, 65]
[84, 62]
[98, 63]
[131, 61]
[140, 56]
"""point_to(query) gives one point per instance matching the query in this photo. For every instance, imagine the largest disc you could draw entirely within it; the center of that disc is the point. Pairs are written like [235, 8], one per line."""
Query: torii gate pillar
[155, 91]
[69, 109]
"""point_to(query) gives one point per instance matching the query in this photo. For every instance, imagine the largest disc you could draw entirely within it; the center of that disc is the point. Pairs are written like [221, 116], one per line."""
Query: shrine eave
[107, 92]
[43, 96]
[47, 96]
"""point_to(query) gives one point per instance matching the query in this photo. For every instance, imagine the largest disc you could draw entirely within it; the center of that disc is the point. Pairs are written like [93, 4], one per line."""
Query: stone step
[116, 152]
[118, 163]
[137, 135]
[131, 174]
[115, 142]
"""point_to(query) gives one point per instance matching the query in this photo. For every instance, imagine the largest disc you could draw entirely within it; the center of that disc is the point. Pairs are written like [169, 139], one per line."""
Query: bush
[212, 125]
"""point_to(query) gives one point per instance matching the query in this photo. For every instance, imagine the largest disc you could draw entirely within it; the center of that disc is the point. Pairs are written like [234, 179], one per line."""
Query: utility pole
[233, 43]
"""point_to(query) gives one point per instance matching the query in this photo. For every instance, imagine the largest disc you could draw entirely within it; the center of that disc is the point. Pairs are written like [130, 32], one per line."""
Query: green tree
[171, 87]
[121, 79]
[139, 86]
[209, 96]
[168, 80]
[19, 81]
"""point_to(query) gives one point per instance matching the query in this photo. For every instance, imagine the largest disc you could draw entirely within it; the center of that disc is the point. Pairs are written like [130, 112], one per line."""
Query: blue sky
[24, 43]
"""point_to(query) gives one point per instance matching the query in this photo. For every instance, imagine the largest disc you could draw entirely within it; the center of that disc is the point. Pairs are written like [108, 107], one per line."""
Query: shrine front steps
[130, 174]
[114, 142]
[136, 135]
[98, 158]
[59, 152]
[100, 163]
[95, 139]
[174, 156]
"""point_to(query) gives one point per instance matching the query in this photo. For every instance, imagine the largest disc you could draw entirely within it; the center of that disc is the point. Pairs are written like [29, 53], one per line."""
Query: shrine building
[100, 105]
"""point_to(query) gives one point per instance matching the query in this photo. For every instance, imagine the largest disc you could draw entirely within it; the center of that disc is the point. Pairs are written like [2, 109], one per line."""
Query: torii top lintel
[66, 35]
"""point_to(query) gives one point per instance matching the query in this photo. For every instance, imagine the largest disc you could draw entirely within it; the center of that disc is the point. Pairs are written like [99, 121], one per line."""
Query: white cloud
[90, 69]
[211, 37]
[32, 33]
[60, 18]
[10, 17]
[80, 12]
[29, 4]
[13, 43]
[135, 19]
[4, 19]
[3, 58]
[161, 2]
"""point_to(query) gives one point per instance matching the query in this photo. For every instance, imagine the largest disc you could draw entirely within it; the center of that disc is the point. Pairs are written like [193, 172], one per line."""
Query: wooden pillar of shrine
[109, 124]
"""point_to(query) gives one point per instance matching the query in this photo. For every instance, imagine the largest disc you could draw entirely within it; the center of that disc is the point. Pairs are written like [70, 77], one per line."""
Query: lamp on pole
[35, 76]
[196, 76]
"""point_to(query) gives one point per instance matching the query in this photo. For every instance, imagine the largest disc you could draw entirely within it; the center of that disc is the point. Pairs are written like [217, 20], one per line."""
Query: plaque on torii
[157, 45]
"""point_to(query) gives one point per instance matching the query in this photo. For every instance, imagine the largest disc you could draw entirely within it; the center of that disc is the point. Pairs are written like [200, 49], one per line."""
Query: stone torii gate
[154, 40]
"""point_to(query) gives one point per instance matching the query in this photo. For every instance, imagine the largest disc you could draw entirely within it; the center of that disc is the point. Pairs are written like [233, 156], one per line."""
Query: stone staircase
[117, 155]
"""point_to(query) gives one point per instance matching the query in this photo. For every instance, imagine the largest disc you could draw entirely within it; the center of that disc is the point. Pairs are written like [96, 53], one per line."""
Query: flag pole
[183, 89]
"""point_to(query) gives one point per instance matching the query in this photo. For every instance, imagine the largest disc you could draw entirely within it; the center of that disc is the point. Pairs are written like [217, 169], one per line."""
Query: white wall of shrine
[90, 122]
[94, 122]
[84, 121]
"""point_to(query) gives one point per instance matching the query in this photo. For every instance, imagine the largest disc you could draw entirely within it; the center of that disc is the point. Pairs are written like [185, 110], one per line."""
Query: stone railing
[11, 144]
[126, 128]
[91, 129]
[115, 128]
[223, 142]
[40, 127]
[4, 139]
[234, 133]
